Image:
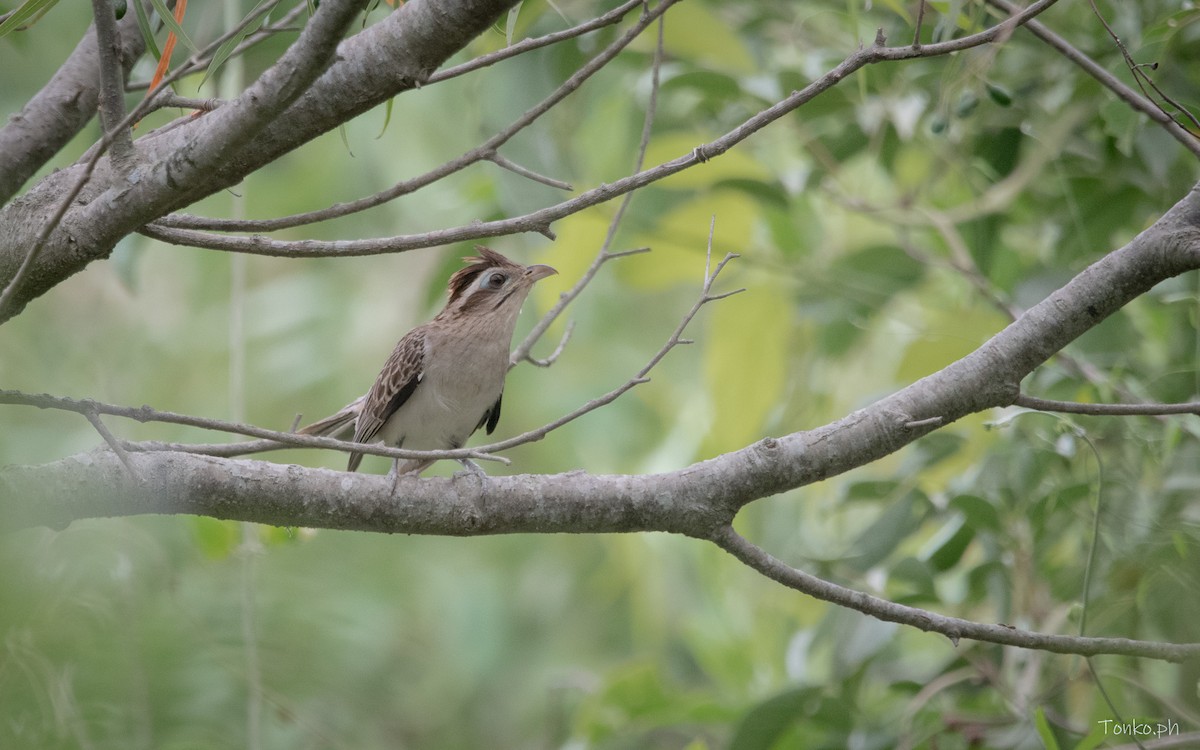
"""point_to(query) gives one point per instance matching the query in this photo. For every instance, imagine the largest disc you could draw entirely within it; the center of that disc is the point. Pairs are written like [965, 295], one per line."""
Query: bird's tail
[338, 425]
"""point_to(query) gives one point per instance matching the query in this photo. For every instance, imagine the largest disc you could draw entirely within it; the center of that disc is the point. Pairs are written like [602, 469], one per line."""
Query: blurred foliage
[854, 217]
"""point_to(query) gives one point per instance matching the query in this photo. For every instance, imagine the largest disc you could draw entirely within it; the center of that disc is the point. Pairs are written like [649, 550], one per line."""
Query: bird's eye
[493, 281]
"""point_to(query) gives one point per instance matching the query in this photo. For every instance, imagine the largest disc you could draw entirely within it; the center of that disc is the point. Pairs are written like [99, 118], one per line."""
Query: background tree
[947, 204]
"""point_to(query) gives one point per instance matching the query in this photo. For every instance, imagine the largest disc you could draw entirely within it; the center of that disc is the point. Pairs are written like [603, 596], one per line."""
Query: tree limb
[60, 110]
[953, 628]
[414, 40]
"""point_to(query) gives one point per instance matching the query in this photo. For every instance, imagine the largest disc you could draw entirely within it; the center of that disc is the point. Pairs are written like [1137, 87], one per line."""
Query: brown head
[491, 281]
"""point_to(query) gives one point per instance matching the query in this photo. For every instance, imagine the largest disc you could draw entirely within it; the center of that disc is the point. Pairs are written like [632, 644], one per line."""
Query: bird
[444, 379]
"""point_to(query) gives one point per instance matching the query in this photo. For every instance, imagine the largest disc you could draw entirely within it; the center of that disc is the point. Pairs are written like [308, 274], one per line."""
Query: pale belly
[446, 407]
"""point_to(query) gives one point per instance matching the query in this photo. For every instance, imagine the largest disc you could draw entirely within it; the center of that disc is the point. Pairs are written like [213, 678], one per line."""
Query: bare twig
[486, 151]
[674, 340]
[167, 98]
[1126, 94]
[200, 60]
[527, 173]
[608, 19]
[1139, 75]
[539, 221]
[605, 253]
[952, 627]
[281, 439]
[111, 439]
[558, 350]
[1117, 410]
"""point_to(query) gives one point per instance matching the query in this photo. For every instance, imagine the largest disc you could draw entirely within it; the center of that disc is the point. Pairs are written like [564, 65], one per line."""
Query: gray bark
[278, 113]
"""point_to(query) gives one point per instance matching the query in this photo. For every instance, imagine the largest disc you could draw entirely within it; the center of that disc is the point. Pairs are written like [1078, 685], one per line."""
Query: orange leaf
[164, 62]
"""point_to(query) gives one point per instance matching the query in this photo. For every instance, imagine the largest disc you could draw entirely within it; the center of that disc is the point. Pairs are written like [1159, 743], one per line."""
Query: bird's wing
[400, 376]
[492, 416]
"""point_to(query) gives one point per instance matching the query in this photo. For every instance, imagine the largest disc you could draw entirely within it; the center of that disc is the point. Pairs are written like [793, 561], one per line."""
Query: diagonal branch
[486, 151]
[67, 102]
[522, 352]
[277, 440]
[953, 628]
[539, 221]
[1108, 80]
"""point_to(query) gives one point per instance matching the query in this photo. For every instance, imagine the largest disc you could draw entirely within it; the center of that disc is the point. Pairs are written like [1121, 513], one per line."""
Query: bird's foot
[470, 468]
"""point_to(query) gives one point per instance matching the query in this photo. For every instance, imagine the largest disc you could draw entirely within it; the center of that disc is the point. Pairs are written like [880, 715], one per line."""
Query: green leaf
[168, 19]
[911, 581]
[870, 489]
[892, 526]
[345, 139]
[511, 23]
[967, 103]
[980, 514]
[946, 547]
[30, 9]
[225, 50]
[387, 117]
[765, 723]
[1043, 730]
[147, 32]
[999, 94]
[216, 539]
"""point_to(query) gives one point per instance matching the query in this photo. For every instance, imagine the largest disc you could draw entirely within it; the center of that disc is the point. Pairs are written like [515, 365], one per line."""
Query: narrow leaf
[225, 50]
[172, 23]
[28, 10]
[1044, 731]
[147, 32]
[387, 117]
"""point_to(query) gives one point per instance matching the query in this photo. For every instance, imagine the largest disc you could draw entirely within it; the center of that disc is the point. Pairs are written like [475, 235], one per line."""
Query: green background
[855, 218]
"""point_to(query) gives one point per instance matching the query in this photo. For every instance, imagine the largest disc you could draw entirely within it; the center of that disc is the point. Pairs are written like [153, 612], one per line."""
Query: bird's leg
[470, 467]
[395, 474]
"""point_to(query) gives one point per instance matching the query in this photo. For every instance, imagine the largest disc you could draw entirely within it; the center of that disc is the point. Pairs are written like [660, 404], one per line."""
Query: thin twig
[540, 220]
[1108, 80]
[111, 439]
[282, 439]
[608, 19]
[488, 150]
[201, 59]
[605, 254]
[167, 98]
[1116, 410]
[527, 173]
[953, 628]
[674, 340]
[1143, 80]
[558, 350]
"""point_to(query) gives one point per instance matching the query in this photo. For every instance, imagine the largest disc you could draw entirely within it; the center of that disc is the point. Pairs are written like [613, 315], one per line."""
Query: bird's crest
[477, 264]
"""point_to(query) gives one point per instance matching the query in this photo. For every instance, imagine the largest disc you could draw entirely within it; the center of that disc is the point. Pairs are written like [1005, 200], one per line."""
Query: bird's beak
[538, 271]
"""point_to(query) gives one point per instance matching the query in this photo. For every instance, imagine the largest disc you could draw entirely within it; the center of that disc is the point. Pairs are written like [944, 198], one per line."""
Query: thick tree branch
[414, 40]
[60, 110]
[486, 151]
[694, 500]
